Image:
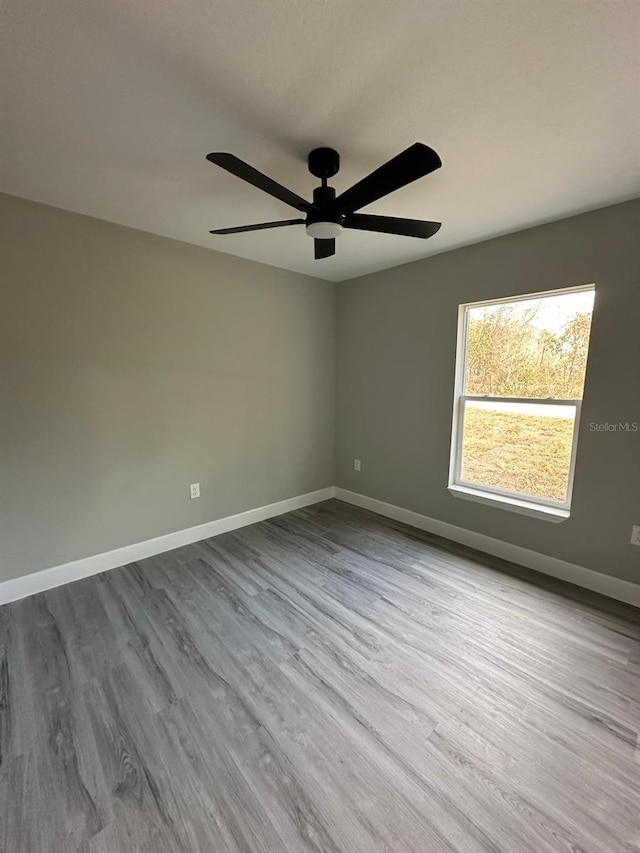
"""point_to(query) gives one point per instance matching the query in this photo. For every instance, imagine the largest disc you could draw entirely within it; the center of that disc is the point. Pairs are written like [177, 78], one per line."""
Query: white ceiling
[110, 106]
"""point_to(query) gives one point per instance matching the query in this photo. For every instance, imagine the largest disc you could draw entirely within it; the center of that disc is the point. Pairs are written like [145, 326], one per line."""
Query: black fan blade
[262, 182]
[324, 248]
[240, 228]
[392, 225]
[418, 160]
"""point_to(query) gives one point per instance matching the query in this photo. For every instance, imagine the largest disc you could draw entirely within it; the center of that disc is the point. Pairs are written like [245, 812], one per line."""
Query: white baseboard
[605, 584]
[16, 588]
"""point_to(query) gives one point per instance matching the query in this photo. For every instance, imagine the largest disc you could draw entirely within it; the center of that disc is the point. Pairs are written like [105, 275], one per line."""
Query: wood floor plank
[19, 818]
[323, 682]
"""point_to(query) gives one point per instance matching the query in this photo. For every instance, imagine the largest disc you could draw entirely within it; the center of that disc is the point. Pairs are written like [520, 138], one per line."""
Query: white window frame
[532, 505]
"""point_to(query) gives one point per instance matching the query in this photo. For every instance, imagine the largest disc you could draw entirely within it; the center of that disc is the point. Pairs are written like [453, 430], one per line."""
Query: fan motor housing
[324, 209]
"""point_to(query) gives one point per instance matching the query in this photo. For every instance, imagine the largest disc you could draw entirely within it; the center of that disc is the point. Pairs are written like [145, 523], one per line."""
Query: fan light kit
[327, 216]
[324, 230]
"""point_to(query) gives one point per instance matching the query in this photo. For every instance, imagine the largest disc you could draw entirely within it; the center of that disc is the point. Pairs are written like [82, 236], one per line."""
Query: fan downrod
[324, 163]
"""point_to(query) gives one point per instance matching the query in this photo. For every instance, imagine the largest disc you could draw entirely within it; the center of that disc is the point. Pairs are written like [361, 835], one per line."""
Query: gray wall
[132, 365]
[396, 359]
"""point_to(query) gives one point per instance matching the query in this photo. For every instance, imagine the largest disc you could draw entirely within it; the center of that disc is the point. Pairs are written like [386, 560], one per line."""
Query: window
[520, 372]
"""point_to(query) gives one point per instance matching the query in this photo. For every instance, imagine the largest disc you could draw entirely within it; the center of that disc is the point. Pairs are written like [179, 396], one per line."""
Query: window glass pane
[518, 447]
[529, 348]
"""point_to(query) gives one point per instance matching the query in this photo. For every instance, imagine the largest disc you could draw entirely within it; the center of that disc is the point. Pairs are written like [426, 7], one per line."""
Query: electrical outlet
[194, 490]
[635, 534]
[356, 464]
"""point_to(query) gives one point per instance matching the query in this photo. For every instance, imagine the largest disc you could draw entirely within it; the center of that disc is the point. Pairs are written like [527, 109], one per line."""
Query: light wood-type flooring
[325, 681]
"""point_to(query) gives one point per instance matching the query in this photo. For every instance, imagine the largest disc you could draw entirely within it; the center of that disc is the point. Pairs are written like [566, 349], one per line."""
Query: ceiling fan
[327, 215]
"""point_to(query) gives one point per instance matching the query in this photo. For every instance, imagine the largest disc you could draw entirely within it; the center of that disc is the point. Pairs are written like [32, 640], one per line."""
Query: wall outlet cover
[194, 490]
[356, 464]
[635, 534]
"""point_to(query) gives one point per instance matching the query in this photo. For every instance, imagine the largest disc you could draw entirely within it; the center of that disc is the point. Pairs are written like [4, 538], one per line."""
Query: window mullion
[537, 401]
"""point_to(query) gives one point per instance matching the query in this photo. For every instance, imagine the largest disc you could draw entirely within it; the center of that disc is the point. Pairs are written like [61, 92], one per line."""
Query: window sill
[523, 507]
